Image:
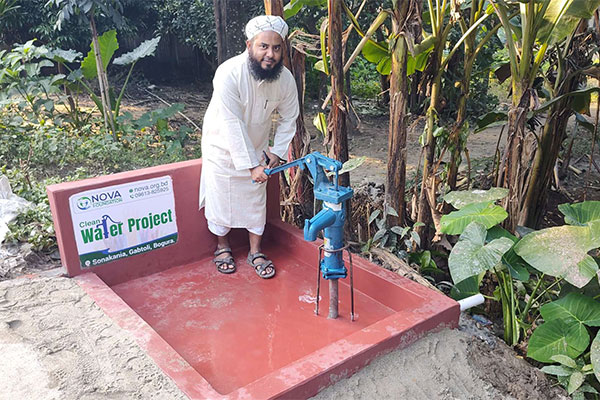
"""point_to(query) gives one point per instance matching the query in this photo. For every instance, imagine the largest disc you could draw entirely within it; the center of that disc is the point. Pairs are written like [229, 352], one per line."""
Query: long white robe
[235, 132]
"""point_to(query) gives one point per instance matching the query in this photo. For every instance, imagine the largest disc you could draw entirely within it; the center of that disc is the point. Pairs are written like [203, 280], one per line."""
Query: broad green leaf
[575, 381]
[580, 213]
[487, 214]
[595, 356]
[108, 45]
[573, 308]
[461, 198]
[385, 66]
[64, 56]
[491, 118]
[465, 288]
[418, 62]
[471, 256]
[515, 264]
[552, 32]
[292, 8]
[557, 370]
[373, 53]
[145, 49]
[351, 164]
[561, 252]
[557, 337]
[564, 360]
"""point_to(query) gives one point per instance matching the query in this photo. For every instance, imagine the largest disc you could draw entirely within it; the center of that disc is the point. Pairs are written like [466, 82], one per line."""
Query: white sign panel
[120, 221]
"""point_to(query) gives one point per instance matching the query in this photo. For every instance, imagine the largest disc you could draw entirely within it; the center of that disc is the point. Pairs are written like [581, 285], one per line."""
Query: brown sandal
[224, 263]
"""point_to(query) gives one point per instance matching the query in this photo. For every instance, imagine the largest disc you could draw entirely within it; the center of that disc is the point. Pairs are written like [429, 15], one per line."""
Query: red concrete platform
[239, 336]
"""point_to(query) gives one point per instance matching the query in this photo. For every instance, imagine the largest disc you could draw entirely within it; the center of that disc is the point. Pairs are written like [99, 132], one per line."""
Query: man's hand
[258, 174]
[273, 159]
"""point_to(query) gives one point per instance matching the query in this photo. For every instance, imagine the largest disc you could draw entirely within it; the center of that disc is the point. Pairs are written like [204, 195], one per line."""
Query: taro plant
[547, 275]
[88, 70]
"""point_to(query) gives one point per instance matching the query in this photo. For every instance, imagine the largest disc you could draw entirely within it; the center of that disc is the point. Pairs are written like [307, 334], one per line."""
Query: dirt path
[57, 343]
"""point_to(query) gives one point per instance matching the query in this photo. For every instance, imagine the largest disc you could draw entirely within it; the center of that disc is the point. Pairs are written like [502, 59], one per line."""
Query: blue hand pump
[330, 220]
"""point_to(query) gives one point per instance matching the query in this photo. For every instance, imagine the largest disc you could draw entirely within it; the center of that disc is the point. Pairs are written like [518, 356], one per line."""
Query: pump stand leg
[351, 286]
[318, 281]
[333, 299]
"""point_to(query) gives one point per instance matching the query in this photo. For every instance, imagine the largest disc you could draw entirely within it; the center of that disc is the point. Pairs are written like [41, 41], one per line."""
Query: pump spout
[324, 218]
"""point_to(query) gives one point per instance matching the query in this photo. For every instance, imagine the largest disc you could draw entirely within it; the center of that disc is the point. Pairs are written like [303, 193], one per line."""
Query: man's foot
[224, 260]
[261, 264]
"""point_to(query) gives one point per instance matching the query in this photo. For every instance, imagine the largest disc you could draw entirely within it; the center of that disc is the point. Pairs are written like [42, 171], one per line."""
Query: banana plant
[541, 25]
[88, 9]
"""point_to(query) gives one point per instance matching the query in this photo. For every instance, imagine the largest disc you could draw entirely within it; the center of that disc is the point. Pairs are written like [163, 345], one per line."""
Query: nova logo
[105, 196]
[99, 200]
[83, 203]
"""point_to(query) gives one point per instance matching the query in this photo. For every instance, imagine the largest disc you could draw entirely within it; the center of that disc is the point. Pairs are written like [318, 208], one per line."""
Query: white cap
[264, 23]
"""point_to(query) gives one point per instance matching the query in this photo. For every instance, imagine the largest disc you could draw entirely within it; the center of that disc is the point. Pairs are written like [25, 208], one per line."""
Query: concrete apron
[237, 335]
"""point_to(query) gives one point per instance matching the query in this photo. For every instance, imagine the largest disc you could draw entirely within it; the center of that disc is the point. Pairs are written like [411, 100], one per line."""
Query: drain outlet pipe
[471, 301]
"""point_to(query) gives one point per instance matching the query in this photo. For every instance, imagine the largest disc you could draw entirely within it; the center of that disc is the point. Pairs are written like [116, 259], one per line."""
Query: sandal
[261, 267]
[224, 263]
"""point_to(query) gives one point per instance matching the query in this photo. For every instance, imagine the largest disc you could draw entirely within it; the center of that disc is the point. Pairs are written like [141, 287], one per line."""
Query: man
[235, 138]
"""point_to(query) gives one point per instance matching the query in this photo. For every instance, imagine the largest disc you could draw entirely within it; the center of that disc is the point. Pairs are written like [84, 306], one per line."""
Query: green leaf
[320, 66]
[390, 211]
[491, 118]
[471, 256]
[580, 214]
[384, 67]
[145, 49]
[320, 122]
[374, 215]
[351, 164]
[374, 53]
[573, 308]
[108, 45]
[399, 230]
[461, 198]
[553, 32]
[595, 356]
[557, 370]
[64, 56]
[557, 337]
[487, 214]
[466, 288]
[575, 381]
[379, 234]
[582, 121]
[564, 360]
[561, 252]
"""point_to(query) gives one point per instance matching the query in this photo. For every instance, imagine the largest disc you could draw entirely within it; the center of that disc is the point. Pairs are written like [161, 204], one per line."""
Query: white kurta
[235, 132]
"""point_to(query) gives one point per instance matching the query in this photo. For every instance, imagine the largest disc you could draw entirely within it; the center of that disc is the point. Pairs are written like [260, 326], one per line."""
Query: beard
[261, 74]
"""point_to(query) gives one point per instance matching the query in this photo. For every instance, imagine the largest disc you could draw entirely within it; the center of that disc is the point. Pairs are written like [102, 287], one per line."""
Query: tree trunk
[384, 100]
[461, 116]
[337, 120]
[515, 162]
[109, 123]
[396, 159]
[220, 9]
[300, 188]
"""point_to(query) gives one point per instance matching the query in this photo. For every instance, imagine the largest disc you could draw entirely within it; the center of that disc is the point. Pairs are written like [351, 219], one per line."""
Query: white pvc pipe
[471, 301]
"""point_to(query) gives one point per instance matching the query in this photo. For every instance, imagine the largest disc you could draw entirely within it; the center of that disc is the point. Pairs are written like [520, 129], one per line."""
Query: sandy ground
[56, 343]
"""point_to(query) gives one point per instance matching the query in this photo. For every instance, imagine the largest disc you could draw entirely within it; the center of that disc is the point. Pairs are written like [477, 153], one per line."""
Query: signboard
[120, 221]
